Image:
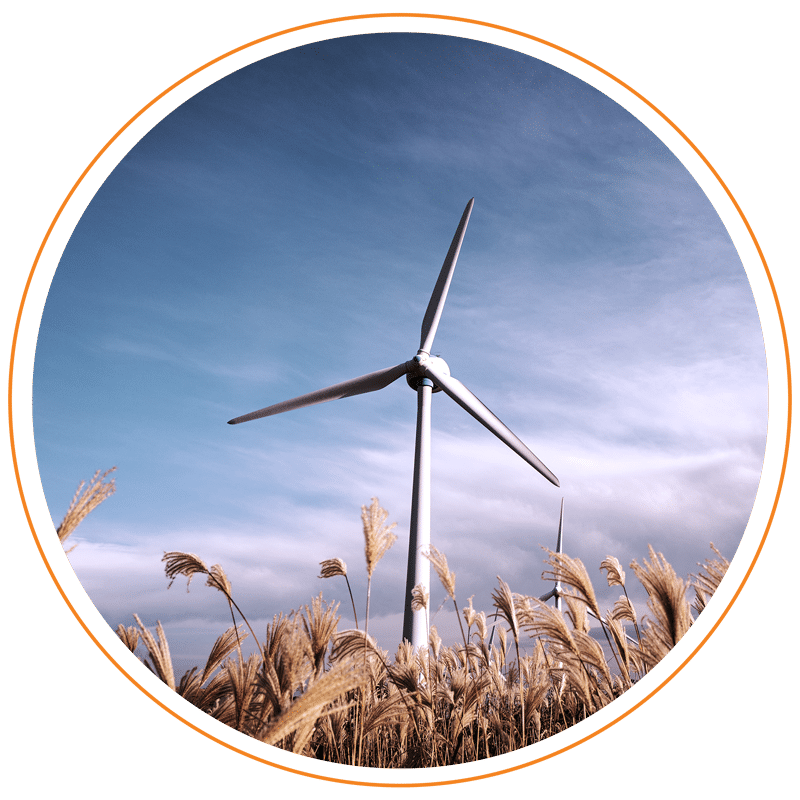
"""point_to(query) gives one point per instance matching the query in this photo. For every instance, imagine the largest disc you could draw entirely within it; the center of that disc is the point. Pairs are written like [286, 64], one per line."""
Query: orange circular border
[350, 19]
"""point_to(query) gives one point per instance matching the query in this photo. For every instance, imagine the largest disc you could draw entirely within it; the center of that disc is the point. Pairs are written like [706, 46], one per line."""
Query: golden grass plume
[84, 501]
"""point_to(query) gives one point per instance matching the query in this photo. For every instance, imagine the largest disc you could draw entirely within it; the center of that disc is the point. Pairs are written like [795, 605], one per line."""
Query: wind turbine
[557, 591]
[425, 374]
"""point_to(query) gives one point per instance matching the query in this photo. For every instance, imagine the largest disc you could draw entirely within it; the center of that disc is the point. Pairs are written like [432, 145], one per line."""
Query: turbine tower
[426, 374]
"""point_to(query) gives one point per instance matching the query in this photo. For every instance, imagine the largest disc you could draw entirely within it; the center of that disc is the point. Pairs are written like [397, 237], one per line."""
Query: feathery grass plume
[404, 654]
[213, 697]
[707, 581]
[129, 636]
[272, 677]
[591, 654]
[391, 710]
[404, 673]
[434, 642]
[439, 562]
[189, 688]
[84, 501]
[346, 676]
[623, 609]
[550, 627]
[480, 623]
[160, 661]
[571, 678]
[217, 579]
[320, 626]
[286, 664]
[242, 680]
[189, 565]
[347, 644]
[276, 630]
[221, 649]
[448, 579]
[419, 598]
[667, 601]
[615, 573]
[354, 643]
[378, 538]
[331, 567]
[504, 603]
[577, 612]
[572, 572]
[503, 639]
[470, 615]
[621, 642]
[548, 623]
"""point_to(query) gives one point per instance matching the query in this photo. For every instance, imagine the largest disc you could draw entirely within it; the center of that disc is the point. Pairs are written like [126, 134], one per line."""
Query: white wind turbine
[557, 591]
[426, 374]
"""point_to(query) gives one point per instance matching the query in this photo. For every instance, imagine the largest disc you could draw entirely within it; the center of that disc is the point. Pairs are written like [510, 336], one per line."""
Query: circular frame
[122, 140]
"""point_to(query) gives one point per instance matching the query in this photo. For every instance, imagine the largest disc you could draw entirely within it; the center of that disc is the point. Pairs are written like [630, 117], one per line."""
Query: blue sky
[282, 231]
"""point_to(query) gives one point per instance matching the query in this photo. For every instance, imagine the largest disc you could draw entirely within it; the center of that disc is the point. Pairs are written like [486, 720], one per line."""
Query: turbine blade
[545, 597]
[362, 385]
[431, 321]
[560, 540]
[471, 404]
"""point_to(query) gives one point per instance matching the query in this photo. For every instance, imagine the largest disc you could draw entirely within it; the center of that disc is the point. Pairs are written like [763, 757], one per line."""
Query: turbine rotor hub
[415, 376]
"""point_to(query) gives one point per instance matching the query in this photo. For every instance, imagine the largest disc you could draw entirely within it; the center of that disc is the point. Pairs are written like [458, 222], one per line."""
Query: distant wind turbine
[426, 374]
[557, 591]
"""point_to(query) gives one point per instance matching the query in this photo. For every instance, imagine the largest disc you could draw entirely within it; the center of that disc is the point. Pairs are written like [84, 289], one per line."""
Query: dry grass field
[335, 695]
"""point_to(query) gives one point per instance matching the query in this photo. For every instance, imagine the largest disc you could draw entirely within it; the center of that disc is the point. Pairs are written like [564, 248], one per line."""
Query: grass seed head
[615, 573]
[504, 603]
[707, 581]
[623, 609]
[188, 564]
[419, 598]
[333, 567]
[378, 538]
[217, 579]
[572, 572]
[439, 562]
[86, 500]
[470, 615]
